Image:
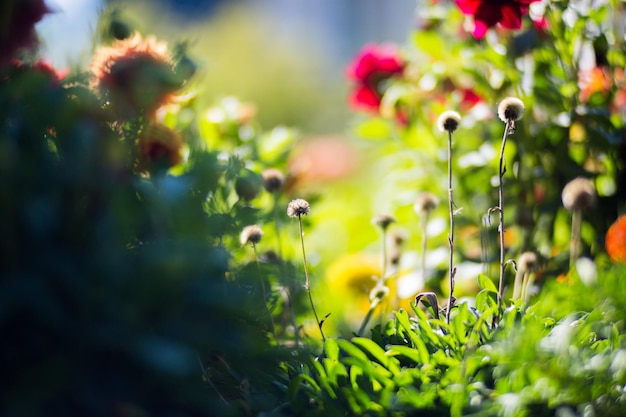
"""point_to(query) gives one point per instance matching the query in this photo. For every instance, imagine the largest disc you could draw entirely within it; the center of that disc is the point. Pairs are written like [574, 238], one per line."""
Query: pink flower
[374, 65]
[488, 13]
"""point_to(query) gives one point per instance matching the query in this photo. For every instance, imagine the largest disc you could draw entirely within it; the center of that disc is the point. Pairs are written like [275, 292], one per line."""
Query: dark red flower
[374, 65]
[488, 13]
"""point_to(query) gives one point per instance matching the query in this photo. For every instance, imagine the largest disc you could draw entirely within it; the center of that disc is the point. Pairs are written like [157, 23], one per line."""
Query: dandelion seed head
[448, 121]
[579, 194]
[511, 109]
[273, 180]
[425, 203]
[251, 234]
[298, 207]
[383, 220]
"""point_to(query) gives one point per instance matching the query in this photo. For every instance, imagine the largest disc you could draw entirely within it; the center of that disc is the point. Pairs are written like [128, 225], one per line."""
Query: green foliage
[536, 361]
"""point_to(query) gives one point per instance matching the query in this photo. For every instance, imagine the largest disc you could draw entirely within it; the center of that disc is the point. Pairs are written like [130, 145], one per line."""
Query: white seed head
[448, 121]
[298, 207]
[511, 109]
[383, 220]
[425, 203]
[251, 234]
[273, 180]
[579, 194]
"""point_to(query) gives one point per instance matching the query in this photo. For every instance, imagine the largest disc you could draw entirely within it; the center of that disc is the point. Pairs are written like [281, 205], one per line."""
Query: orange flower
[159, 147]
[135, 75]
[616, 240]
[596, 80]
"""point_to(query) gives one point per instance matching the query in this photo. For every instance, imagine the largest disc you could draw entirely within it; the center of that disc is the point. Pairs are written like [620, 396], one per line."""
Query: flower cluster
[371, 70]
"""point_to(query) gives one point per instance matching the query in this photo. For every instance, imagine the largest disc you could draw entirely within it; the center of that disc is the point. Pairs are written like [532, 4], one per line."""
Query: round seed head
[511, 109]
[397, 238]
[425, 203]
[579, 194]
[273, 180]
[527, 262]
[251, 234]
[448, 121]
[383, 220]
[298, 207]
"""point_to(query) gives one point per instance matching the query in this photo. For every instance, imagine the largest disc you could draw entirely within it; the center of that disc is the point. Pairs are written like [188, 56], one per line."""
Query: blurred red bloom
[136, 75]
[372, 67]
[488, 13]
[616, 240]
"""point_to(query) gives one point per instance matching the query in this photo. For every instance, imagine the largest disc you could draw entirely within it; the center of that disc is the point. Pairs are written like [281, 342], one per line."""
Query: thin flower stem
[574, 243]
[292, 312]
[451, 269]
[307, 284]
[384, 265]
[367, 319]
[264, 294]
[277, 226]
[424, 221]
[501, 216]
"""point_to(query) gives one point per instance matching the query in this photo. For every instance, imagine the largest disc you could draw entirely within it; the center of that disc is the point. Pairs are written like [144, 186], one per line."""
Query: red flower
[136, 75]
[616, 240]
[374, 65]
[488, 13]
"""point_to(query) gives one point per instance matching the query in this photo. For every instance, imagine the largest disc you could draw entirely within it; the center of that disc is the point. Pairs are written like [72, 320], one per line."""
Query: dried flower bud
[425, 203]
[273, 180]
[579, 194]
[383, 220]
[511, 109]
[527, 262]
[297, 208]
[448, 121]
[251, 234]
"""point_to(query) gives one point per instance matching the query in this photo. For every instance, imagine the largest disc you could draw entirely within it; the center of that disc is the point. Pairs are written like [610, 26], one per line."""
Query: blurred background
[288, 57]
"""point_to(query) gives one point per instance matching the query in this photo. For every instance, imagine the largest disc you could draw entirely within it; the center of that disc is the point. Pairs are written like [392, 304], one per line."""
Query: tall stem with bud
[448, 122]
[510, 110]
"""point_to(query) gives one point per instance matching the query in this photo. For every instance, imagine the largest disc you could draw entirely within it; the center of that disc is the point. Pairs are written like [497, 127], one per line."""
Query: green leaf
[331, 349]
[418, 355]
[486, 283]
[301, 382]
[377, 353]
